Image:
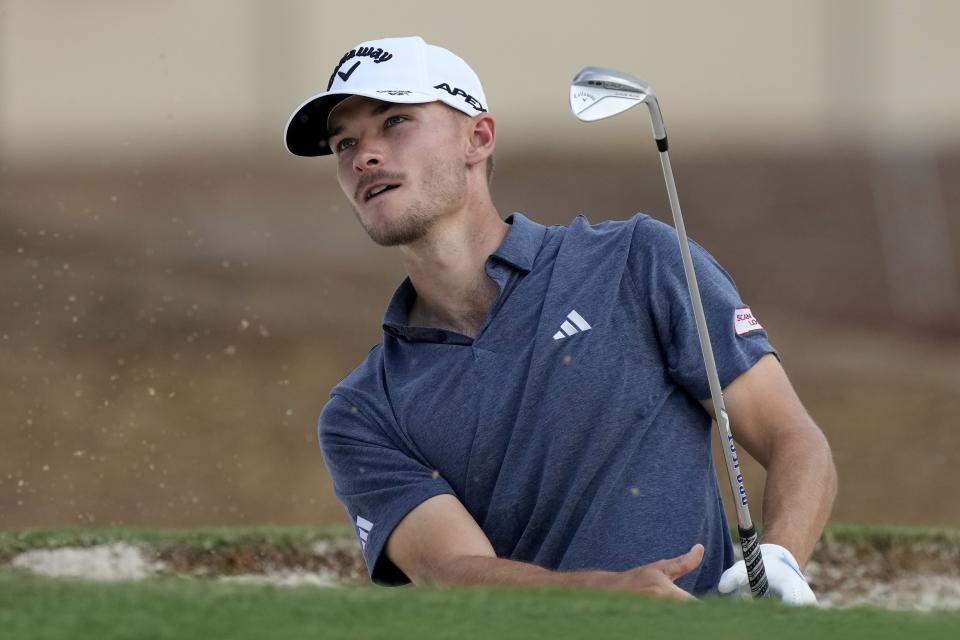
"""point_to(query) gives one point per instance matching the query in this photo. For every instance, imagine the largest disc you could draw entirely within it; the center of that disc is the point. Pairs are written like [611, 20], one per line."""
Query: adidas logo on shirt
[363, 530]
[572, 325]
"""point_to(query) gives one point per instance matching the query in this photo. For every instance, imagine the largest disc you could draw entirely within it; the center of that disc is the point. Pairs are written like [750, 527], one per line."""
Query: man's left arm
[769, 422]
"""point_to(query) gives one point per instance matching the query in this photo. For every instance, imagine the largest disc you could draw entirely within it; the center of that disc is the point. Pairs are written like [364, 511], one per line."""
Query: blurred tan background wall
[180, 294]
[144, 78]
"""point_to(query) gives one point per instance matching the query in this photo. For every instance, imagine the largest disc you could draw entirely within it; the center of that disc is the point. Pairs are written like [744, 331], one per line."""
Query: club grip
[756, 574]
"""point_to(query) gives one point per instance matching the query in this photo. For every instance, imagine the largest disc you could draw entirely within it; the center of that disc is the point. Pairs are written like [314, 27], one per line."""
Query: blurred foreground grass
[171, 606]
[184, 608]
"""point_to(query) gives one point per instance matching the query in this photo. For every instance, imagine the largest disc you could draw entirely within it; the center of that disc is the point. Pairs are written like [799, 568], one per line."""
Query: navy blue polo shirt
[570, 426]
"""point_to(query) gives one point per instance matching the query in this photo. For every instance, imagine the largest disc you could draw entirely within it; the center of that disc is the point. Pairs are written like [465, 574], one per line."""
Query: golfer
[537, 412]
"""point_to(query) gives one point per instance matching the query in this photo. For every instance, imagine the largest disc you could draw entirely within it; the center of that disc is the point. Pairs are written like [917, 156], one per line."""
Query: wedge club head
[597, 93]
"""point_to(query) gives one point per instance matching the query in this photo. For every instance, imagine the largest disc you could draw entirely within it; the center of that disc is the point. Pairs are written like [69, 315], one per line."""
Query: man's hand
[657, 578]
[783, 573]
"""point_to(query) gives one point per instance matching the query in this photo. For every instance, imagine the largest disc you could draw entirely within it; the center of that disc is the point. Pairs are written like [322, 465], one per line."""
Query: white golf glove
[787, 582]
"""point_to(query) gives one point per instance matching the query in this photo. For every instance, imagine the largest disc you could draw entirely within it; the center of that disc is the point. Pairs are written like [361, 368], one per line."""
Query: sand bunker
[116, 561]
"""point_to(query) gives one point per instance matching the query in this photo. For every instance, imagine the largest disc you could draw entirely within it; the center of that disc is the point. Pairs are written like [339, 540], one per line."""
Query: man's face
[400, 165]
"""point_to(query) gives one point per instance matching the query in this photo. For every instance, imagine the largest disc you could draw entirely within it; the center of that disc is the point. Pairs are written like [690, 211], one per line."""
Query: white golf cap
[403, 70]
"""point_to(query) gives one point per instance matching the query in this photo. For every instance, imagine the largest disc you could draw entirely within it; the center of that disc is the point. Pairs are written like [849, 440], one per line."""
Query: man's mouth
[377, 190]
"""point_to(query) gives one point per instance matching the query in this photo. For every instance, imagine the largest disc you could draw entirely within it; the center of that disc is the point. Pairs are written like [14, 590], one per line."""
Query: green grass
[303, 537]
[183, 608]
[882, 537]
[13, 542]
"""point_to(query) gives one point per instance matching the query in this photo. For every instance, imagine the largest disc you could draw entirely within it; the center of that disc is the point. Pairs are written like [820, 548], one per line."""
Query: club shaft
[748, 537]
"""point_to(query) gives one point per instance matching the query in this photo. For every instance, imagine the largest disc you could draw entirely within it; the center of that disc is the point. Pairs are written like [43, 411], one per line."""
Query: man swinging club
[537, 412]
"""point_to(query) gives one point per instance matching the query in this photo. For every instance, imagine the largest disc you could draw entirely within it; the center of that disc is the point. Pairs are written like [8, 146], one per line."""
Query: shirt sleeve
[738, 341]
[377, 481]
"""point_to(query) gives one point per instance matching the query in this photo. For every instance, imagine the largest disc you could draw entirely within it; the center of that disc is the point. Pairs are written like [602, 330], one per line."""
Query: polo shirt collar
[519, 249]
[522, 244]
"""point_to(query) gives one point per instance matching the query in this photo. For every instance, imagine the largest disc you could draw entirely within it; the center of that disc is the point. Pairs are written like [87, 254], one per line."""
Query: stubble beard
[444, 187]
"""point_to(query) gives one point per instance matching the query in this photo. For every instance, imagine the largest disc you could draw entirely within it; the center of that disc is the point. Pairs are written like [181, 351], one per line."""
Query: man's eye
[343, 145]
[392, 120]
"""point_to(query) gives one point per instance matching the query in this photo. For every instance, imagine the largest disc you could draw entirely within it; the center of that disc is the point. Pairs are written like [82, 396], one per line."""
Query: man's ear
[482, 139]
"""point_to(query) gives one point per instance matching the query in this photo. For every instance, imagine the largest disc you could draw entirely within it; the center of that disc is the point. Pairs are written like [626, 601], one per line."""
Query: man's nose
[369, 156]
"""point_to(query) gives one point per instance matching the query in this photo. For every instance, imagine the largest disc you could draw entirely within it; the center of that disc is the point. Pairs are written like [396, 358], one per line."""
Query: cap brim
[306, 130]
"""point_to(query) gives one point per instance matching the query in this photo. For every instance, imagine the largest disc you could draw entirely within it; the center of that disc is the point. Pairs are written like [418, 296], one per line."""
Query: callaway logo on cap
[404, 70]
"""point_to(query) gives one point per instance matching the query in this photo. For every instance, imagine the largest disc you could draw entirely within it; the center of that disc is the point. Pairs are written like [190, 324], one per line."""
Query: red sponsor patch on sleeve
[744, 322]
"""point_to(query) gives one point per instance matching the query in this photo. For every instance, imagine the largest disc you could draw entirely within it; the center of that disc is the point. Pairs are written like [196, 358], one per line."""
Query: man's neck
[447, 270]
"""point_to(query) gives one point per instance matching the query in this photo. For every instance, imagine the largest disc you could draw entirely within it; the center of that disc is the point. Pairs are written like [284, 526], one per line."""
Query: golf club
[597, 93]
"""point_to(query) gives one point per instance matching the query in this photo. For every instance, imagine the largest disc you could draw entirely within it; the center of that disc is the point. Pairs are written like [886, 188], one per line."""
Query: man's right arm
[440, 543]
